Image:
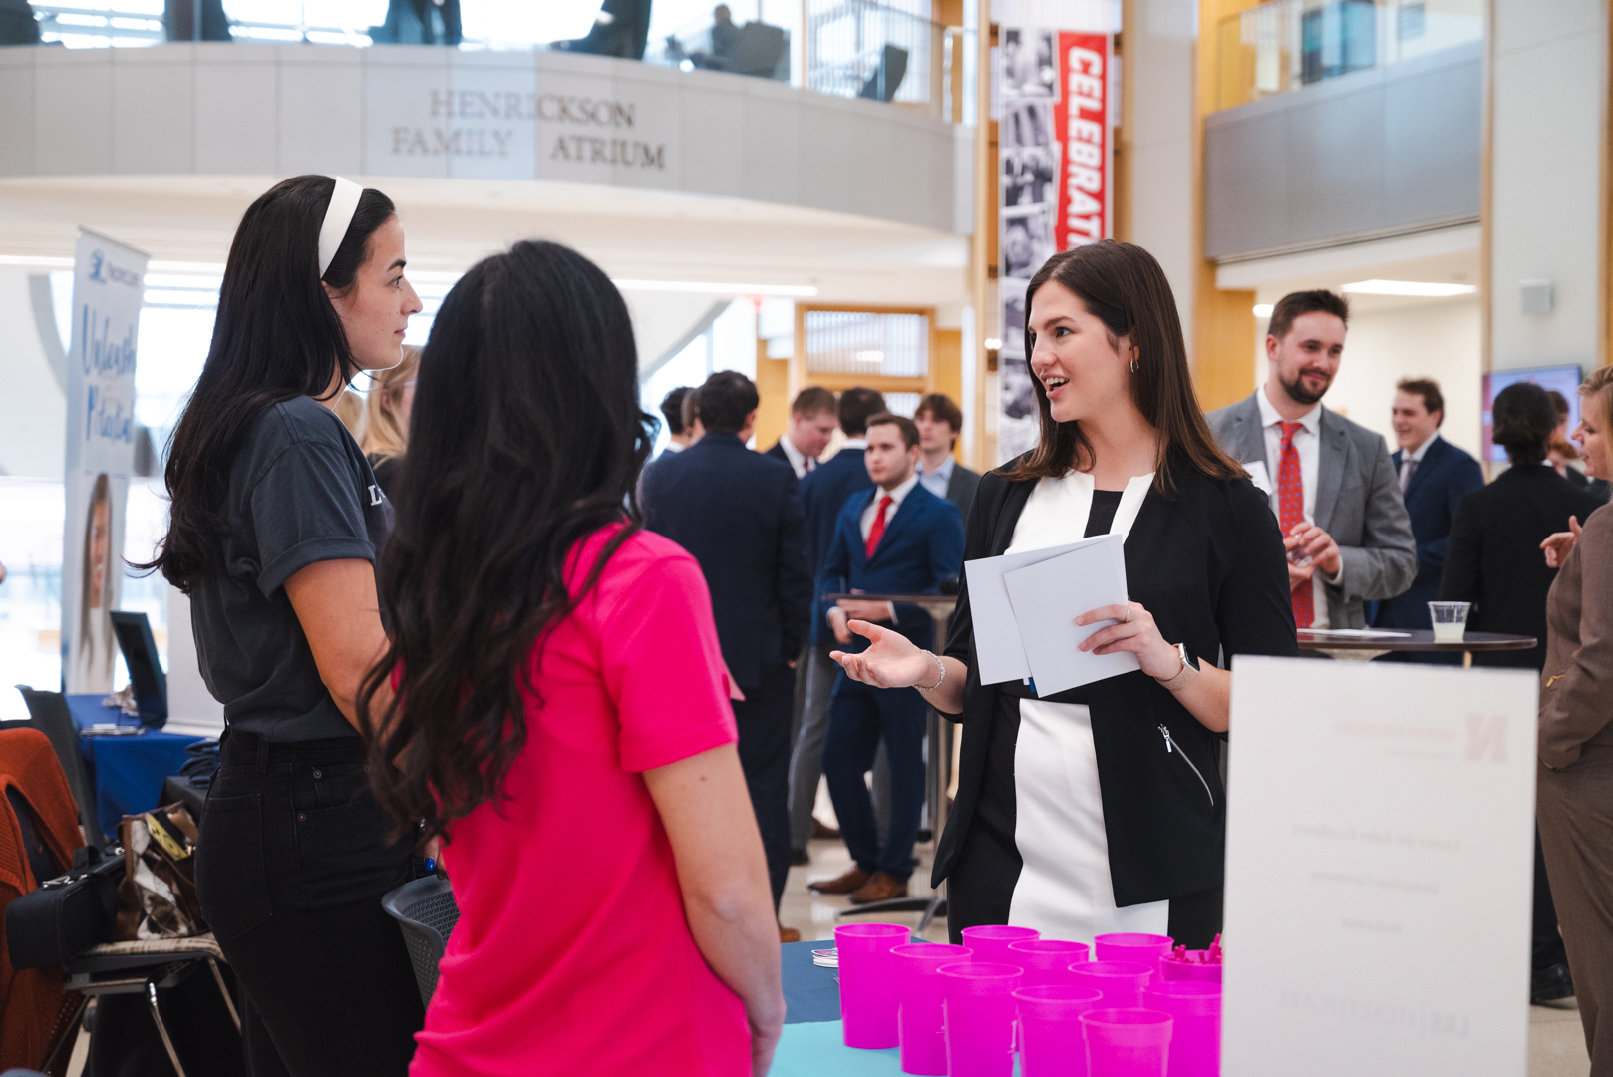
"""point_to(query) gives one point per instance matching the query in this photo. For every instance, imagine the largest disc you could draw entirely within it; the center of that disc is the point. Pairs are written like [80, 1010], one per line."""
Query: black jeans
[293, 859]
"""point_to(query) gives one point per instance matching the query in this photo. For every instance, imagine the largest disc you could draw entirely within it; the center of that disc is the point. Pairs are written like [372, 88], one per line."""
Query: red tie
[1291, 511]
[876, 532]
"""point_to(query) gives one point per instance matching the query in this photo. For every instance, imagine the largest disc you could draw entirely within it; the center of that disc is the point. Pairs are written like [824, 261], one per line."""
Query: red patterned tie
[1291, 511]
[876, 532]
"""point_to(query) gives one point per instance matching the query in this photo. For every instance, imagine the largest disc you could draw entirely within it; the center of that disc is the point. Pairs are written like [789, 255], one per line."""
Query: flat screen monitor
[145, 670]
[1564, 379]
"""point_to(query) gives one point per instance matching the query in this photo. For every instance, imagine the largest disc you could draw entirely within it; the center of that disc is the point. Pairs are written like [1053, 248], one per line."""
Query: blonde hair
[1595, 391]
[384, 434]
[350, 410]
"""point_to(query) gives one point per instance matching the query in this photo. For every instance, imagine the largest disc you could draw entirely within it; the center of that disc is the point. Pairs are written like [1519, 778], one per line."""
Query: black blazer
[1208, 563]
[777, 452]
[961, 488]
[739, 513]
[823, 495]
[1446, 475]
[1494, 559]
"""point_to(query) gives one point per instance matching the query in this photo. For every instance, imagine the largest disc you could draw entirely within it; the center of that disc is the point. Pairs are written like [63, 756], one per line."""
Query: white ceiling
[637, 234]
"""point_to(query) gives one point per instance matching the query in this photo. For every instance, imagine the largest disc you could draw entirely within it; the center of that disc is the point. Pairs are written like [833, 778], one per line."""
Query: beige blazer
[1576, 686]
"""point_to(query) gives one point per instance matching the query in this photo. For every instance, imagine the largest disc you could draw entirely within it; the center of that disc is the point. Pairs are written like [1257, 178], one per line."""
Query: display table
[811, 1045]
[126, 771]
[1364, 648]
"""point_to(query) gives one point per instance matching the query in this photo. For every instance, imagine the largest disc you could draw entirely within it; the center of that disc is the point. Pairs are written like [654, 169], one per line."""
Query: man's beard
[1299, 394]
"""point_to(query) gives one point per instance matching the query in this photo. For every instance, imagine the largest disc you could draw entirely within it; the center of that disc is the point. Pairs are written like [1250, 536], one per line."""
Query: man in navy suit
[813, 422]
[739, 513]
[897, 538]
[823, 492]
[1434, 476]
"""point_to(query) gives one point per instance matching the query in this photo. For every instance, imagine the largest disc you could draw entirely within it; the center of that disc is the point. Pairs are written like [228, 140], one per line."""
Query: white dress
[1065, 889]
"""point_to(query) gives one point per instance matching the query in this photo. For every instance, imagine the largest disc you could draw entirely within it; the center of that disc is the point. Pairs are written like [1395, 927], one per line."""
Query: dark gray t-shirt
[300, 491]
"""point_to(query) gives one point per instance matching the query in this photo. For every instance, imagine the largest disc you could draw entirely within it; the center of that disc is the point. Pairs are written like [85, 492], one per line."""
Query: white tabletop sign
[1380, 853]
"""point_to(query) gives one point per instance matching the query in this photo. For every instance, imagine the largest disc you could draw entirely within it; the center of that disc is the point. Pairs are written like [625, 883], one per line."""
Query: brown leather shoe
[879, 887]
[788, 934]
[821, 831]
[848, 883]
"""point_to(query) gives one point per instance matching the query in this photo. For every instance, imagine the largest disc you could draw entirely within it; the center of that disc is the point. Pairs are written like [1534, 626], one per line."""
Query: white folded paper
[1024, 606]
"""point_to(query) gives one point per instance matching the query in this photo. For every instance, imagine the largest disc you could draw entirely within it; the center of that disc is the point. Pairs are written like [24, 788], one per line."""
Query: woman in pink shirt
[564, 720]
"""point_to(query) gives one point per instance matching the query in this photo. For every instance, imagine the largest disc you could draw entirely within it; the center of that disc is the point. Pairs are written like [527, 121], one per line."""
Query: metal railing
[858, 48]
[1284, 45]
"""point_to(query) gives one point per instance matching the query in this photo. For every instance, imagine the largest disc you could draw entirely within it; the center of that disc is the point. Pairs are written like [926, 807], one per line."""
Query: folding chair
[427, 912]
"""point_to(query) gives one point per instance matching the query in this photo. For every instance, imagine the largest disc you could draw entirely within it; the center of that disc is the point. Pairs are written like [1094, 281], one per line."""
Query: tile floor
[1556, 1043]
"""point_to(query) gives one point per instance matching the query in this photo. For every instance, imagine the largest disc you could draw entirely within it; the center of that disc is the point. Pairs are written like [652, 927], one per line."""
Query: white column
[1548, 121]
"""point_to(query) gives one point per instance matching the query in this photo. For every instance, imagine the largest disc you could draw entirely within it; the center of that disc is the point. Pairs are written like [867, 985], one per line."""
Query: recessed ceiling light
[1263, 310]
[1408, 287]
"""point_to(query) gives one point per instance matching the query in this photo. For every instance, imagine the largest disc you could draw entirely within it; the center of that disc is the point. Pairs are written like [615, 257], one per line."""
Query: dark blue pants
[859, 718]
[763, 718]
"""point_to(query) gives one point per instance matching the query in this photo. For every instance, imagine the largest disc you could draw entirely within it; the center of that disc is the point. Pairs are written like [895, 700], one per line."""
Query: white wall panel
[236, 109]
[147, 141]
[72, 112]
[17, 84]
[319, 83]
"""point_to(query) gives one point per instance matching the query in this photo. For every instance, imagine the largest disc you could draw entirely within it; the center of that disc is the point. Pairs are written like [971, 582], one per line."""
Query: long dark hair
[276, 337]
[1124, 287]
[526, 437]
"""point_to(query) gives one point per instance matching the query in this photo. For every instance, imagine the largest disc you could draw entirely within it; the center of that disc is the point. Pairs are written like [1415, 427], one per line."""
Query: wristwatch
[1190, 669]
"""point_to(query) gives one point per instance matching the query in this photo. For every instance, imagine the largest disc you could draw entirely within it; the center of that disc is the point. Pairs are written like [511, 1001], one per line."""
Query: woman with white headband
[275, 523]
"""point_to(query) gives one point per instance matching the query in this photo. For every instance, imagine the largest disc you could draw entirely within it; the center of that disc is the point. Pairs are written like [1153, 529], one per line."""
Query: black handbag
[67, 915]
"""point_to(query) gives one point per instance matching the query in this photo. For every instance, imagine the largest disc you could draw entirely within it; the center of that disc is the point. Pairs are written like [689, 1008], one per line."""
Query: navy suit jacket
[1446, 475]
[922, 545]
[823, 495]
[739, 513]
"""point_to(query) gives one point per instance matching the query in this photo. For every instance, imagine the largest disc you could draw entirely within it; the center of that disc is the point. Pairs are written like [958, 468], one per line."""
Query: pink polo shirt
[573, 954]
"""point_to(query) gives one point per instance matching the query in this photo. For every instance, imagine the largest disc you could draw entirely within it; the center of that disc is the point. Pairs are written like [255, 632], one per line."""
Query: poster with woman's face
[91, 584]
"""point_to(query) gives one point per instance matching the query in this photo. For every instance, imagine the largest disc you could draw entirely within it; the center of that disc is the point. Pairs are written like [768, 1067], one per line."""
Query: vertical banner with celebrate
[108, 292]
[1081, 115]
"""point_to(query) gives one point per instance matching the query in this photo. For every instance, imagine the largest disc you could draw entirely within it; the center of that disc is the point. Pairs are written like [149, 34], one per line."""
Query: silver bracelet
[938, 683]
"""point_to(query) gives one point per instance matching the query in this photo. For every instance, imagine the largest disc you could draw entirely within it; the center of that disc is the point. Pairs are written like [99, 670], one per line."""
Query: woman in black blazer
[1102, 809]
[1493, 559]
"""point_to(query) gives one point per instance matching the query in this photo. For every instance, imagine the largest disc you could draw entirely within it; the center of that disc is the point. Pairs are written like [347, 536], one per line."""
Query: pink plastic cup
[918, 1007]
[1195, 1009]
[868, 983]
[1127, 1043]
[1131, 946]
[1120, 981]
[1205, 972]
[990, 942]
[1050, 1043]
[1046, 961]
[979, 1006]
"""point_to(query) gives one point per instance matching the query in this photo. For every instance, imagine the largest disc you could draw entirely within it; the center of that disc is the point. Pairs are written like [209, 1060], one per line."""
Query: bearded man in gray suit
[1331, 482]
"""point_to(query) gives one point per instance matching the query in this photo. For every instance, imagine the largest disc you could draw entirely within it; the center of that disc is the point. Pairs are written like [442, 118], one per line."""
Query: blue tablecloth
[127, 772]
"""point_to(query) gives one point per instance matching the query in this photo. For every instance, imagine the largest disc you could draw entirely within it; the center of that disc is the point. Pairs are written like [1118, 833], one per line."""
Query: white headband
[338, 215]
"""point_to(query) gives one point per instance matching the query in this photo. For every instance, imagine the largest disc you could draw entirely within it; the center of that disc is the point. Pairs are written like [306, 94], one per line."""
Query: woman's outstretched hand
[1558, 546]
[891, 660]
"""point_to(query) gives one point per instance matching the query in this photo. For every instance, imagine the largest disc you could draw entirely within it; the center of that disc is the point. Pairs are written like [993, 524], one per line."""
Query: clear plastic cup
[1050, 1043]
[918, 1004]
[1047, 961]
[1450, 621]
[978, 1002]
[1127, 1043]
[1195, 1010]
[868, 983]
[1135, 946]
[990, 942]
[1120, 981]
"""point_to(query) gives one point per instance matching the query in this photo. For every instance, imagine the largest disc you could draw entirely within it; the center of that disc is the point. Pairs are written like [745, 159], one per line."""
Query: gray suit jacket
[1357, 502]
[961, 489]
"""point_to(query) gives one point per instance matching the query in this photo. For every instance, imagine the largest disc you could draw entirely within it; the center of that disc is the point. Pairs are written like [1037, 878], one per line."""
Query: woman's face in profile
[100, 551]
[1082, 372]
[1590, 435]
[375, 310]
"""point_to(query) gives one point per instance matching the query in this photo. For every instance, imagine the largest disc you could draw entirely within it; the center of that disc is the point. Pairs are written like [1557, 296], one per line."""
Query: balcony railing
[1284, 45]
[890, 52]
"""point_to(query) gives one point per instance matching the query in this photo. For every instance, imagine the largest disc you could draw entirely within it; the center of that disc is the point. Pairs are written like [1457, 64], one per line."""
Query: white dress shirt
[798, 459]
[897, 496]
[938, 480]
[1308, 444]
[1422, 451]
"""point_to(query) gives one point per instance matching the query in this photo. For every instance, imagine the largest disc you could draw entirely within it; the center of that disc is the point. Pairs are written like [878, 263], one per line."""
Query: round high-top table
[1380, 642]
